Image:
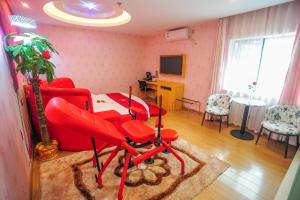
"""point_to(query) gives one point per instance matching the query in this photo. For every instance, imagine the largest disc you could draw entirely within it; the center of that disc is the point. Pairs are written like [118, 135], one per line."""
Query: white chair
[283, 120]
[218, 105]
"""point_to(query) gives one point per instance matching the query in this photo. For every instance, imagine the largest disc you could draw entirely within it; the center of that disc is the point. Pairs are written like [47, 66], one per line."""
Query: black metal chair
[143, 88]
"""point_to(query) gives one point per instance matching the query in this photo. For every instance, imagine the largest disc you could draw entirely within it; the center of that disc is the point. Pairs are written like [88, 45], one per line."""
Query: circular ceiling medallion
[87, 13]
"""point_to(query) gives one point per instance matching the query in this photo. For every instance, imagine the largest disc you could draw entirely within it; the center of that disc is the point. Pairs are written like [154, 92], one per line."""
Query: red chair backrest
[62, 87]
[80, 97]
[63, 82]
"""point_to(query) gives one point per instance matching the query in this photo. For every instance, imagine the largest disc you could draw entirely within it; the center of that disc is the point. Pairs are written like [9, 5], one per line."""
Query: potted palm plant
[31, 52]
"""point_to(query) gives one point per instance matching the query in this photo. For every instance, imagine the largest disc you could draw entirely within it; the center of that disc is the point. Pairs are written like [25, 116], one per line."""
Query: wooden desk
[152, 85]
[170, 92]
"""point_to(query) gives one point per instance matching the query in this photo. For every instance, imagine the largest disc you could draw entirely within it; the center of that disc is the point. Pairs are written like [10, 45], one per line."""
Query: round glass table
[242, 134]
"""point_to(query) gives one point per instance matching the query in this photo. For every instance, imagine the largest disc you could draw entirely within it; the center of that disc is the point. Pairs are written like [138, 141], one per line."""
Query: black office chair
[143, 88]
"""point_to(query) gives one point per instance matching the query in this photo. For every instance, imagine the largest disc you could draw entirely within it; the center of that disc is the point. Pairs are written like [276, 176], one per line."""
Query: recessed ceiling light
[21, 21]
[24, 4]
[55, 9]
[89, 5]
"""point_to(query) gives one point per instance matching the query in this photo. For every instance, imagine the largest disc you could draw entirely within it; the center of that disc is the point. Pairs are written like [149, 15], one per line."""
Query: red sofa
[65, 88]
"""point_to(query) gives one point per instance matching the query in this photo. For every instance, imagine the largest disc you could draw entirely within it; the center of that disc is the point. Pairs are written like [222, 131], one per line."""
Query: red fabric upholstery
[63, 119]
[169, 135]
[109, 115]
[154, 110]
[60, 82]
[63, 82]
[137, 110]
[62, 116]
[124, 101]
[64, 88]
[77, 96]
[137, 131]
[113, 116]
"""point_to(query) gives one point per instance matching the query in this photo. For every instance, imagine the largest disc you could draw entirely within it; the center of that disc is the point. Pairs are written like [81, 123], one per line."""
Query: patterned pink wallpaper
[15, 164]
[98, 60]
[200, 56]
[106, 61]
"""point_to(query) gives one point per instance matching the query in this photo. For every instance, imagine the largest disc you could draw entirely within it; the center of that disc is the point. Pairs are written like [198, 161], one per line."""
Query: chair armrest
[78, 96]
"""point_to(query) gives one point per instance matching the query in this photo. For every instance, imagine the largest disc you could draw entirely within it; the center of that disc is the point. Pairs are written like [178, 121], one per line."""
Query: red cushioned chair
[62, 116]
[65, 88]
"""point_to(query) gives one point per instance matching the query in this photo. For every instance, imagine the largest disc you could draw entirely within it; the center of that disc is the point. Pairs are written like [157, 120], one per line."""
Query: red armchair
[65, 88]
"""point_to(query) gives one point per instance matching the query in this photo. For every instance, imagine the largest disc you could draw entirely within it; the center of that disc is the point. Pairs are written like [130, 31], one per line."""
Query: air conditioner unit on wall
[178, 34]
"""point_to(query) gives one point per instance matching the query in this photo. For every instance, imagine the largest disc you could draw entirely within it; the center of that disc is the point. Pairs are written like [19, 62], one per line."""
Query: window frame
[263, 38]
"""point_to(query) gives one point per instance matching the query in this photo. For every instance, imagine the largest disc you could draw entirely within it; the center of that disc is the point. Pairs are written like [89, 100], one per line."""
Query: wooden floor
[256, 170]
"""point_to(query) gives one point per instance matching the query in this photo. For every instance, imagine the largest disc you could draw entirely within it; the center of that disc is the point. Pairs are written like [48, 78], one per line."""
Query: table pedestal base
[245, 136]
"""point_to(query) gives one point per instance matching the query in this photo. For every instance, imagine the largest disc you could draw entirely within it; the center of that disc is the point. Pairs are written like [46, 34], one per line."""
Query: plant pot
[47, 152]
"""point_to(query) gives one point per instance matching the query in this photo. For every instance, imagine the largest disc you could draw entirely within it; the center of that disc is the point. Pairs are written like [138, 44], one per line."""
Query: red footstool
[169, 135]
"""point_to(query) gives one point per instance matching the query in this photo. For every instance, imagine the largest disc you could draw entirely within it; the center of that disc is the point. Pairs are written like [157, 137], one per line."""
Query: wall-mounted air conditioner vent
[178, 34]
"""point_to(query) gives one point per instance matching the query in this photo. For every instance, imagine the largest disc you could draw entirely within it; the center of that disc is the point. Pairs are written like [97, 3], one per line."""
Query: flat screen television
[172, 64]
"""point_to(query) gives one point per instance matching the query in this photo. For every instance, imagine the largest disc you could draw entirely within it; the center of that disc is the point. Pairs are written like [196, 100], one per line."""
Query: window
[262, 60]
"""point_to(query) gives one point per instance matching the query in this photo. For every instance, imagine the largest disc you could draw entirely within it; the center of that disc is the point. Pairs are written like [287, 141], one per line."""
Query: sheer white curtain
[257, 48]
[262, 60]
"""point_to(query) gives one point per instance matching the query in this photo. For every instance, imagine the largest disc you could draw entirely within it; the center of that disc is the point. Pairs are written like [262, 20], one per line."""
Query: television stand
[170, 92]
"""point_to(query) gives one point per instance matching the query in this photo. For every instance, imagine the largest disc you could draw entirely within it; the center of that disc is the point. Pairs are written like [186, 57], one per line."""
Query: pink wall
[199, 58]
[15, 164]
[15, 142]
[100, 61]
[106, 62]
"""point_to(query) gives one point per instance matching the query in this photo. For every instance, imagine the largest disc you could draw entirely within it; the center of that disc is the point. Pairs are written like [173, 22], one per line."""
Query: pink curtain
[291, 90]
[277, 20]
[220, 52]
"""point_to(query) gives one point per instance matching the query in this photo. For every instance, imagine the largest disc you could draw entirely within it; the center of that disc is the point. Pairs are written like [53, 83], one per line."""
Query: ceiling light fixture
[89, 5]
[21, 21]
[24, 4]
[51, 10]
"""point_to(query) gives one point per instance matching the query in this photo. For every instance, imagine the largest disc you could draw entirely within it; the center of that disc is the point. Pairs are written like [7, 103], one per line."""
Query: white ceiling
[153, 16]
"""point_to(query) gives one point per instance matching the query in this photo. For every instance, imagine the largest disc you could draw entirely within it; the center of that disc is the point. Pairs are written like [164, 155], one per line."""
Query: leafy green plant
[31, 52]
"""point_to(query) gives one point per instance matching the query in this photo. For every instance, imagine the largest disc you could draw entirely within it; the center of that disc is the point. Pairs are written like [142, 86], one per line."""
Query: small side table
[242, 134]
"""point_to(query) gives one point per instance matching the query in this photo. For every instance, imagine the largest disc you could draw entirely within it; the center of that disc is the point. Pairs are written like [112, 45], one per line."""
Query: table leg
[242, 134]
[245, 117]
